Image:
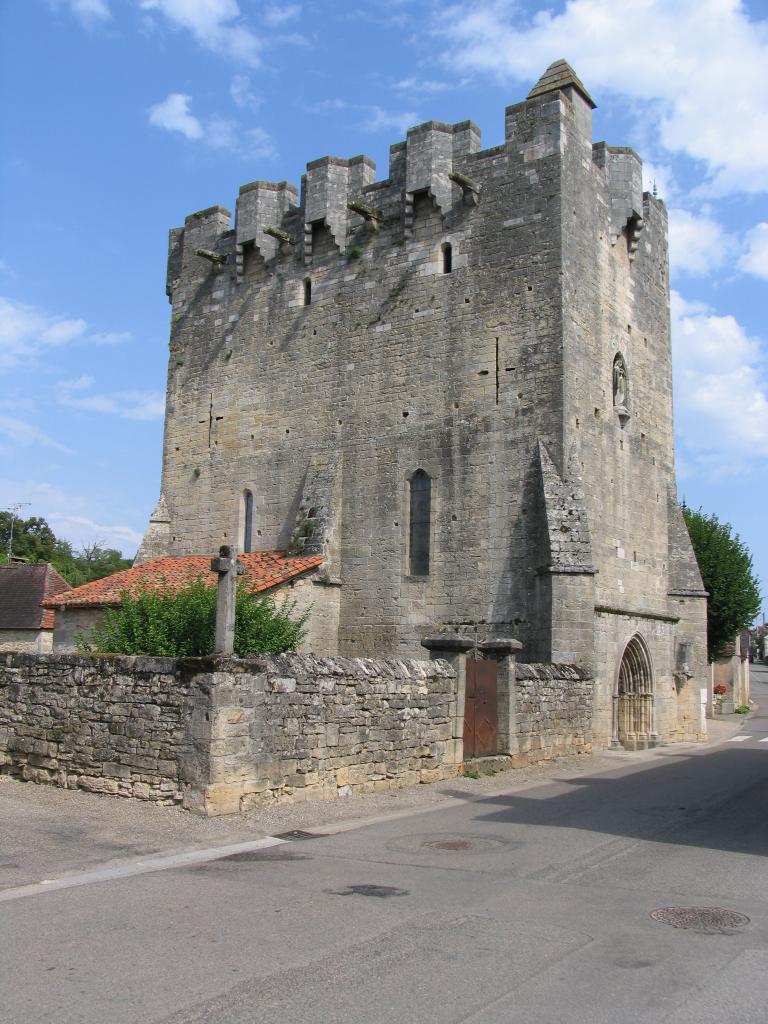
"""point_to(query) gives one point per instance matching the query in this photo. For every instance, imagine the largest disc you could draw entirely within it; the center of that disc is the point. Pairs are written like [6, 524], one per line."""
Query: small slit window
[447, 255]
[247, 521]
[420, 522]
[307, 292]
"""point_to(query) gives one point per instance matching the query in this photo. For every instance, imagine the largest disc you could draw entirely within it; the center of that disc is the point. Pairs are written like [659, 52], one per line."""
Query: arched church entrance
[634, 711]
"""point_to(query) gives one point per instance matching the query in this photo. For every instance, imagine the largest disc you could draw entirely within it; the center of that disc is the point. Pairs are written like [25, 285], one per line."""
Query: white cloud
[221, 133]
[242, 94]
[721, 387]
[699, 67]
[216, 25]
[18, 432]
[422, 85]
[80, 530]
[128, 405]
[173, 114]
[755, 259]
[26, 332]
[81, 383]
[697, 243]
[660, 179]
[376, 119]
[75, 525]
[258, 143]
[279, 14]
[88, 12]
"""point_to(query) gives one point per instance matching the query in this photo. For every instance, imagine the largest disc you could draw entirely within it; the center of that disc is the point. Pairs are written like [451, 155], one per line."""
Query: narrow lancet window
[447, 258]
[307, 292]
[247, 522]
[420, 521]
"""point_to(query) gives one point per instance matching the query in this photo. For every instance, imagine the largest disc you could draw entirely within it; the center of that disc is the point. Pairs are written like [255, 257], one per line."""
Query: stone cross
[228, 568]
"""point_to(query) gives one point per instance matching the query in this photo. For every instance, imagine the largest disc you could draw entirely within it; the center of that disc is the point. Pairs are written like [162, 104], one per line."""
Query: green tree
[182, 623]
[33, 538]
[35, 541]
[92, 562]
[726, 569]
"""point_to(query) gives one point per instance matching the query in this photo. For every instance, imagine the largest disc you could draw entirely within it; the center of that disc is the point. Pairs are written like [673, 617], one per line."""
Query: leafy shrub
[743, 709]
[182, 623]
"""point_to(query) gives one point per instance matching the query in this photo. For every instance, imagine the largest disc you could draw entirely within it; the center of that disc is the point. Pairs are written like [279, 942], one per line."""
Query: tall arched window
[247, 521]
[447, 258]
[420, 517]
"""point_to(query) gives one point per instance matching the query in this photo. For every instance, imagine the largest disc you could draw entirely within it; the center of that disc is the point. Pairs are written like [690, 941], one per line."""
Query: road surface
[523, 904]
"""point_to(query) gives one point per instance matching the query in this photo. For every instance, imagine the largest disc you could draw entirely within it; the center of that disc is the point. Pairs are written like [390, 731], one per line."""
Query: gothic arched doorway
[634, 713]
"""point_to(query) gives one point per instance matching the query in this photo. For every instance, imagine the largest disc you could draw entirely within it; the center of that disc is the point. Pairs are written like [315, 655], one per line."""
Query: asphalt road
[519, 903]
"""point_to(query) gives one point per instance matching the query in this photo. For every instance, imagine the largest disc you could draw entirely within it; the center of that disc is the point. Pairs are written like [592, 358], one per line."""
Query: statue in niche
[619, 383]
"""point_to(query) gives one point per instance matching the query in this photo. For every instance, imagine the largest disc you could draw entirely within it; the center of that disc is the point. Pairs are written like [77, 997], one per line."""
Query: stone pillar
[504, 652]
[452, 647]
[228, 568]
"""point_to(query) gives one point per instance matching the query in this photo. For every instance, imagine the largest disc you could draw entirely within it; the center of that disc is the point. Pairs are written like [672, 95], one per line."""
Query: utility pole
[14, 510]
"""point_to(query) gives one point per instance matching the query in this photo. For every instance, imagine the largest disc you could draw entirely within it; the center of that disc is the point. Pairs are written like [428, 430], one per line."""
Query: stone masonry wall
[110, 724]
[222, 735]
[553, 712]
[297, 727]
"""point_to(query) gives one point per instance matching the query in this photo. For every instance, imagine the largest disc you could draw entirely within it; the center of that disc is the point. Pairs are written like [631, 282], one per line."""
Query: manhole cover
[424, 845]
[700, 919]
[450, 844]
[381, 892]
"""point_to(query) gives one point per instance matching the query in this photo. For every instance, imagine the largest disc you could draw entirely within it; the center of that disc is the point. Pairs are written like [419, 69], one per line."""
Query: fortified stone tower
[456, 385]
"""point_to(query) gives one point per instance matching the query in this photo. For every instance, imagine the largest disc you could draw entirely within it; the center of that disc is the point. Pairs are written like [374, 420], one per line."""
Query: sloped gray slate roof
[22, 588]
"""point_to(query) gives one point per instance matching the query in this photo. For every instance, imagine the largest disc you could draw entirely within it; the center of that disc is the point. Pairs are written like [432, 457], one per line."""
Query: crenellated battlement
[445, 162]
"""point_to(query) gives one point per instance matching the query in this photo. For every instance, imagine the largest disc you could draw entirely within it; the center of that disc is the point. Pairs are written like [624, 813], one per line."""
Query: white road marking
[739, 739]
[138, 867]
[763, 740]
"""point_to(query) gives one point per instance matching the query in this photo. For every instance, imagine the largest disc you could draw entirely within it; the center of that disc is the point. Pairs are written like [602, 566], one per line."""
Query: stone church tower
[455, 384]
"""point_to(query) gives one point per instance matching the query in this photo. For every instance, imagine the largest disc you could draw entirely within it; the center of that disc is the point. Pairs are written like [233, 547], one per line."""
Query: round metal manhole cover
[449, 842]
[700, 919]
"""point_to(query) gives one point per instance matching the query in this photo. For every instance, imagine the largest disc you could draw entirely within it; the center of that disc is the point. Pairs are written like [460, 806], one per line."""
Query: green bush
[743, 709]
[182, 623]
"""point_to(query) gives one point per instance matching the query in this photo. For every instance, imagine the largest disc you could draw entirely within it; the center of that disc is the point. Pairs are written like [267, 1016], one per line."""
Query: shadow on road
[717, 801]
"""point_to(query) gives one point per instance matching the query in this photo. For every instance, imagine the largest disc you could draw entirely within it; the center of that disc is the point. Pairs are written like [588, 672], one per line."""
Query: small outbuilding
[24, 624]
[272, 572]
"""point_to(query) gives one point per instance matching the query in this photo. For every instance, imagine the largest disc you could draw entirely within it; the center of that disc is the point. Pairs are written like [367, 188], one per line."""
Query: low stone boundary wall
[220, 735]
[126, 726]
[552, 712]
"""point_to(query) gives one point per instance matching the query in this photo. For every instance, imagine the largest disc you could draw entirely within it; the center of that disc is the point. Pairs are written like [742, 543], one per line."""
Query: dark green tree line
[35, 541]
[726, 569]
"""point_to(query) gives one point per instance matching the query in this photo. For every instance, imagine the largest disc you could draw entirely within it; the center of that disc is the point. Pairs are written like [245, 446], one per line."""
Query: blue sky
[123, 116]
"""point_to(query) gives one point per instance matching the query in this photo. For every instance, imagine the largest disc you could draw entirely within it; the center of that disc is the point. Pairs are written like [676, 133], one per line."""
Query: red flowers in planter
[720, 690]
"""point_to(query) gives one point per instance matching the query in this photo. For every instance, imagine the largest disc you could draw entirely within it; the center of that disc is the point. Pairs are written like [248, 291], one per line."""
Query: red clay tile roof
[265, 570]
[22, 588]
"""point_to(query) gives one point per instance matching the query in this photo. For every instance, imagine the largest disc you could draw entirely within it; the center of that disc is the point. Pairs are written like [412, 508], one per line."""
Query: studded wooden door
[481, 721]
